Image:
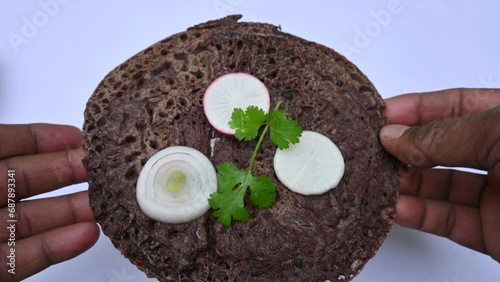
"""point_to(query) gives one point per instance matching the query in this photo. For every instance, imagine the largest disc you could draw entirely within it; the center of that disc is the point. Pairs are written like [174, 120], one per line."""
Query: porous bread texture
[154, 100]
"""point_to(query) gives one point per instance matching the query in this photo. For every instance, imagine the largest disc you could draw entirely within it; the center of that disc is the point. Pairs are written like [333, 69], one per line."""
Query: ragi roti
[154, 101]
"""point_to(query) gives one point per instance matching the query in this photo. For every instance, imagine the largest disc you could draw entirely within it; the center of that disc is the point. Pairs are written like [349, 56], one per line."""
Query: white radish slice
[231, 91]
[311, 167]
[175, 184]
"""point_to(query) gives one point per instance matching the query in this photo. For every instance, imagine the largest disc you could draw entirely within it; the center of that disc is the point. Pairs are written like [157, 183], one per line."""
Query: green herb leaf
[262, 192]
[232, 185]
[283, 130]
[246, 124]
[229, 200]
[228, 177]
[229, 206]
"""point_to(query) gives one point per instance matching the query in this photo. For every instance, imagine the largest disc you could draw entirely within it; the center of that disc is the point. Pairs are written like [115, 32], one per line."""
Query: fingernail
[406, 170]
[393, 131]
[81, 153]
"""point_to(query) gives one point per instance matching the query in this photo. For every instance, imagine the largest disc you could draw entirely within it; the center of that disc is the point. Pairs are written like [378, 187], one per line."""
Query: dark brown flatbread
[154, 100]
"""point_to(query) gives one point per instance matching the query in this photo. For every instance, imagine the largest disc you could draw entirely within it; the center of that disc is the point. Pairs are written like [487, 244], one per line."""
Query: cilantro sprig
[233, 183]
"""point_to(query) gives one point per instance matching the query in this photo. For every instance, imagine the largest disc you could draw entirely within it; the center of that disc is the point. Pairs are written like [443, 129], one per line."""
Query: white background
[51, 60]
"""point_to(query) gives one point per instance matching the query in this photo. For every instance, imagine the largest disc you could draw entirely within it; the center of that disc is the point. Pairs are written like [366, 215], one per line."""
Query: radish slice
[231, 91]
[311, 167]
[175, 184]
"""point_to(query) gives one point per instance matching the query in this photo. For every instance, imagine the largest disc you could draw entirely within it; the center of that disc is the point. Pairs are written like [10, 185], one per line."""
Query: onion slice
[311, 167]
[231, 91]
[175, 184]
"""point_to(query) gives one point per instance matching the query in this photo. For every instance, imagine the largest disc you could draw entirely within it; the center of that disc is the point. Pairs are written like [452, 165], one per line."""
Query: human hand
[453, 128]
[48, 231]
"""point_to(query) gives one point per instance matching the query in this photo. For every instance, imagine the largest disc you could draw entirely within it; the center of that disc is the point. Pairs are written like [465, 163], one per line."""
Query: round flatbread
[154, 100]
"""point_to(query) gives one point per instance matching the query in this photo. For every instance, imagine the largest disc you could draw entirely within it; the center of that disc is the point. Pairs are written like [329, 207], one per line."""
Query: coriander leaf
[228, 201]
[246, 124]
[228, 177]
[283, 130]
[229, 206]
[262, 192]
[237, 119]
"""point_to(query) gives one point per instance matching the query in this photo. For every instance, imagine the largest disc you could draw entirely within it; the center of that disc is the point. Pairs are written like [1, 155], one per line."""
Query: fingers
[459, 223]
[457, 187]
[422, 108]
[443, 202]
[457, 127]
[37, 216]
[40, 173]
[471, 141]
[39, 252]
[48, 231]
[37, 138]
[490, 211]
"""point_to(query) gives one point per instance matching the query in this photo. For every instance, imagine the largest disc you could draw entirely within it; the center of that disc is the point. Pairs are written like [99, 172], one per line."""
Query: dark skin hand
[458, 127]
[48, 231]
[452, 128]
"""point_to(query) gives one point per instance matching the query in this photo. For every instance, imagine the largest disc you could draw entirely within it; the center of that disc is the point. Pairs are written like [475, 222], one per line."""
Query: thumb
[471, 141]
